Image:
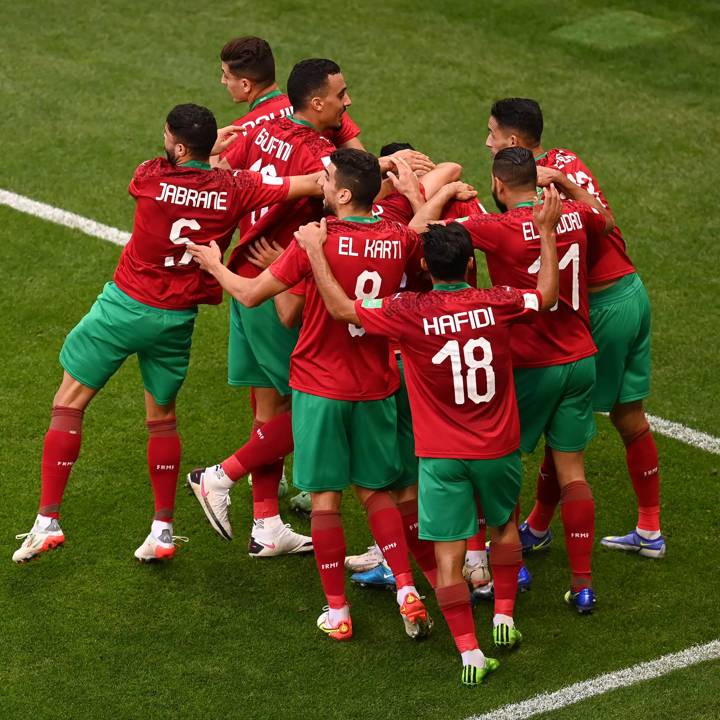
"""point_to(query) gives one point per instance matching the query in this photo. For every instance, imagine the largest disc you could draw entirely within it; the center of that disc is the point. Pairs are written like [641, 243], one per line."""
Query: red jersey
[397, 207]
[332, 359]
[607, 256]
[455, 344]
[177, 204]
[277, 148]
[511, 244]
[276, 104]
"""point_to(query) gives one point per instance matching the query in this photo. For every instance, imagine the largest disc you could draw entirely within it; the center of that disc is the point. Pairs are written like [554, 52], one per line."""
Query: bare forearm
[338, 304]
[429, 212]
[548, 277]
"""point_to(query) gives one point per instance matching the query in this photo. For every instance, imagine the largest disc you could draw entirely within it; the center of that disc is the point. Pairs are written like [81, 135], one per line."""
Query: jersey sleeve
[140, 172]
[298, 289]
[256, 190]
[482, 230]
[292, 267]
[235, 155]
[593, 220]
[348, 130]
[517, 305]
[380, 316]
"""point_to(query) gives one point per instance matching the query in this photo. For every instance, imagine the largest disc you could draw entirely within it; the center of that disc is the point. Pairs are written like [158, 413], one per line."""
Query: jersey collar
[263, 98]
[196, 164]
[298, 121]
[359, 219]
[527, 203]
[540, 157]
[451, 287]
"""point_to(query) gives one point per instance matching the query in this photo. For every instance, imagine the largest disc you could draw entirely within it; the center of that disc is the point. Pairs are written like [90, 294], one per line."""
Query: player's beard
[171, 156]
[502, 207]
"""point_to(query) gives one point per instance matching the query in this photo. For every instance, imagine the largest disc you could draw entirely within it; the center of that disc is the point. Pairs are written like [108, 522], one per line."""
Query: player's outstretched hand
[404, 180]
[262, 253]
[208, 257]
[418, 162]
[548, 214]
[225, 137]
[460, 190]
[312, 237]
[546, 175]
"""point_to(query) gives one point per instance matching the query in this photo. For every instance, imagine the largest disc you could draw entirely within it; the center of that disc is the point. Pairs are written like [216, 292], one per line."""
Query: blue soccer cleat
[381, 576]
[531, 542]
[583, 600]
[636, 543]
[485, 592]
[524, 579]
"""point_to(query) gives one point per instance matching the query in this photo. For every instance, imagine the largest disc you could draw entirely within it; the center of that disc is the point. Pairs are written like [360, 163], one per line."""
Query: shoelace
[177, 539]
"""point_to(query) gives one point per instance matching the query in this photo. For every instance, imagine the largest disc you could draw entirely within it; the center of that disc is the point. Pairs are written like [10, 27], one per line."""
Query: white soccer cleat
[477, 575]
[272, 539]
[38, 541]
[154, 549]
[210, 487]
[367, 561]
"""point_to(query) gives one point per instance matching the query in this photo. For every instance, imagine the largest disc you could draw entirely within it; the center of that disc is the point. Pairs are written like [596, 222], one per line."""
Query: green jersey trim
[451, 287]
[528, 203]
[297, 121]
[359, 219]
[540, 157]
[197, 164]
[263, 98]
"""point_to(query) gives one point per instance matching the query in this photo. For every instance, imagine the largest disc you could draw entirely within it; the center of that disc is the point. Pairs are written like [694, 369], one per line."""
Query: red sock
[268, 442]
[60, 451]
[163, 456]
[548, 495]
[577, 509]
[329, 543]
[454, 602]
[386, 526]
[505, 561]
[266, 481]
[642, 462]
[422, 550]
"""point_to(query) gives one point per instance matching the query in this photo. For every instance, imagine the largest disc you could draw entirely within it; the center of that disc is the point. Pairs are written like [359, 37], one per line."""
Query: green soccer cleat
[505, 636]
[473, 675]
[301, 503]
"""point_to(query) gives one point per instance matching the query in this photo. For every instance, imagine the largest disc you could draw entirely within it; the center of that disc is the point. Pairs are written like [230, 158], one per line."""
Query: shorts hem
[246, 383]
[568, 448]
[306, 488]
[75, 376]
[436, 538]
[633, 398]
[154, 397]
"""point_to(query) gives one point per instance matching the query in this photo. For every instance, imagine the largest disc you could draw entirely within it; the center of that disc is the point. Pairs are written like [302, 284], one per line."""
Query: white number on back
[270, 170]
[176, 237]
[363, 292]
[451, 349]
[571, 256]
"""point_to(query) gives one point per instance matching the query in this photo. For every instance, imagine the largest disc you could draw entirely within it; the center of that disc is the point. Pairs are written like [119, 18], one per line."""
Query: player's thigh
[446, 500]
[573, 423]
[638, 368]
[537, 393]
[165, 355]
[374, 451]
[99, 344]
[271, 344]
[497, 483]
[322, 447]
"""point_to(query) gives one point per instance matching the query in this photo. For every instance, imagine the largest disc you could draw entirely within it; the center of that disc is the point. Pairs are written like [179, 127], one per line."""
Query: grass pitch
[89, 633]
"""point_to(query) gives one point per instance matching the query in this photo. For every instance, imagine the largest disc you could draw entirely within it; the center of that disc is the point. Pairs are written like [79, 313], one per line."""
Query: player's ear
[316, 104]
[423, 265]
[514, 140]
[344, 196]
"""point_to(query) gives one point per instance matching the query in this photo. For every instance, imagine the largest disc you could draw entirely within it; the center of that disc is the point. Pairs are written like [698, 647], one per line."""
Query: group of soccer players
[368, 349]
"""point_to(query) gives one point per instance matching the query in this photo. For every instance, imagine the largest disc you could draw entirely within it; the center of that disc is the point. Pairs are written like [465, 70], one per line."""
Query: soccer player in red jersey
[456, 345]
[552, 357]
[248, 73]
[620, 318]
[149, 309]
[343, 381]
[260, 345]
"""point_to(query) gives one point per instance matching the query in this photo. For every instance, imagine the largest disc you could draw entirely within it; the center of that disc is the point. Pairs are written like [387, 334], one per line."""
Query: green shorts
[406, 438]
[446, 501]
[259, 347]
[556, 401]
[340, 443]
[620, 321]
[118, 326]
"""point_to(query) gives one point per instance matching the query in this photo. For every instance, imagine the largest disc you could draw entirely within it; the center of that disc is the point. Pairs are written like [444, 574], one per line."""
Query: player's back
[281, 147]
[607, 256]
[511, 243]
[177, 204]
[369, 258]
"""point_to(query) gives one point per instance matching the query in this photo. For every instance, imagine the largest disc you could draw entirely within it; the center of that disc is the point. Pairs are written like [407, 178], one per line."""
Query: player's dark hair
[250, 57]
[195, 127]
[308, 78]
[520, 114]
[447, 249]
[392, 148]
[359, 172]
[515, 166]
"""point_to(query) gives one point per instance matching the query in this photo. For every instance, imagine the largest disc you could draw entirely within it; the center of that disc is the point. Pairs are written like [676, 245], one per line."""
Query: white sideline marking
[697, 439]
[63, 217]
[685, 434]
[547, 702]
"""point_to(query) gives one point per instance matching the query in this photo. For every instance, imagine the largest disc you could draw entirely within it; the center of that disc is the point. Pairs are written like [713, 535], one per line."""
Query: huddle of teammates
[369, 351]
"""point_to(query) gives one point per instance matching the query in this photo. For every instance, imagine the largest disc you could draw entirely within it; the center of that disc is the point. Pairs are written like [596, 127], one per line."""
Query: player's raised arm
[305, 186]
[311, 238]
[546, 218]
[249, 291]
[546, 175]
[433, 208]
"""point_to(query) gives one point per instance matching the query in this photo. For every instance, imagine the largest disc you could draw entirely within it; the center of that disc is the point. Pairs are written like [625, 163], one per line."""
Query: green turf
[88, 633]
